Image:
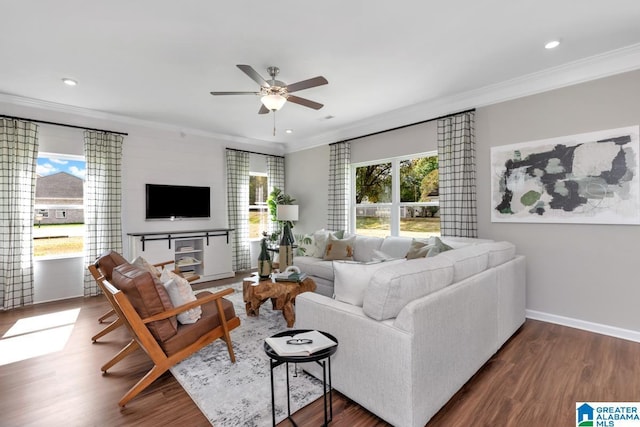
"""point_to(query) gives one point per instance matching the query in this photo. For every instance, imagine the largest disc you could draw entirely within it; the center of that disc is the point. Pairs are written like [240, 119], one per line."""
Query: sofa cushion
[396, 247]
[381, 256]
[315, 267]
[391, 288]
[339, 249]
[467, 261]
[461, 242]
[364, 247]
[352, 278]
[147, 296]
[180, 292]
[500, 252]
[188, 334]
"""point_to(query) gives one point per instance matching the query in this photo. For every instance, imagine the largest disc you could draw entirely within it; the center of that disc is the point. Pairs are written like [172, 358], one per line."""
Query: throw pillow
[180, 293]
[338, 249]
[306, 245]
[351, 279]
[146, 265]
[437, 247]
[320, 242]
[418, 249]
[320, 238]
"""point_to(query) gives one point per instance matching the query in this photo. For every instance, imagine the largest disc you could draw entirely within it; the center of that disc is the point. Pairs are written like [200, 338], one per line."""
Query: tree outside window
[398, 197]
[258, 209]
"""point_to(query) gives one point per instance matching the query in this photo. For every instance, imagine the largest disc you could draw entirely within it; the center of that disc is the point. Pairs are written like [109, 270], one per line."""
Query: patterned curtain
[457, 168]
[103, 193]
[339, 186]
[238, 206]
[18, 154]
[275, 179]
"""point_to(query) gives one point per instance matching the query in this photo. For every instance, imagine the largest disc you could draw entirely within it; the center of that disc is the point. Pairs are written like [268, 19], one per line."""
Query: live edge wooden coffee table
[282, 294]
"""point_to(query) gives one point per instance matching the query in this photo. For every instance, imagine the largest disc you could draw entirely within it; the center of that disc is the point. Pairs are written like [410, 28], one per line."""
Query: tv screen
[177, 201]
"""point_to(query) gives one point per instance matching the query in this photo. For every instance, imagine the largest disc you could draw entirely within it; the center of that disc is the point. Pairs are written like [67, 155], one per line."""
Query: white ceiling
[388, 63]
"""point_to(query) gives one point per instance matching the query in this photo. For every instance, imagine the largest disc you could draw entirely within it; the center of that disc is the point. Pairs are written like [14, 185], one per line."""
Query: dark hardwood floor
[534, 380]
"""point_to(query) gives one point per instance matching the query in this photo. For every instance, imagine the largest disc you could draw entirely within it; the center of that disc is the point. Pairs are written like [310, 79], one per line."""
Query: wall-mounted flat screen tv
[177, 201]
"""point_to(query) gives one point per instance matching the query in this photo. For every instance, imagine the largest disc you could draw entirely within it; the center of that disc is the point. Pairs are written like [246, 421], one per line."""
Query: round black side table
[322, 358]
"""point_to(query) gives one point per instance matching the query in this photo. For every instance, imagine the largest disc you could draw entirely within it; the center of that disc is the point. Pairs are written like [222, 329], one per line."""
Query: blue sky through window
[48, 165]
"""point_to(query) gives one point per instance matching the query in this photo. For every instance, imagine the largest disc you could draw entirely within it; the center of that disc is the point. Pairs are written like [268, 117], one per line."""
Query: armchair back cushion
[108, 261]
[148, 297]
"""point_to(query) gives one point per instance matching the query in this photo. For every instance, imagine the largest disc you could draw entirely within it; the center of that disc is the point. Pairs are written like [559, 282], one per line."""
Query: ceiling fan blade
[249, 71]
[263, 110]
[235, 93]
[305, 102]
[306, 84]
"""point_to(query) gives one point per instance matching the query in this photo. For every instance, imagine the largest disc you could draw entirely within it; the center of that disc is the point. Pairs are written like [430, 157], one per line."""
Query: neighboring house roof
[59, 185]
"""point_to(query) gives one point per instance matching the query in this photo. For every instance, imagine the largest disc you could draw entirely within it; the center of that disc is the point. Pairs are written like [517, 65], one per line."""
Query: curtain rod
[62, 124]
[404, 126]
[253, 152]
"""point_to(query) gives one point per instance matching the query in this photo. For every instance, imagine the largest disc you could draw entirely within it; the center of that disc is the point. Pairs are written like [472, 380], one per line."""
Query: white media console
[206, 253]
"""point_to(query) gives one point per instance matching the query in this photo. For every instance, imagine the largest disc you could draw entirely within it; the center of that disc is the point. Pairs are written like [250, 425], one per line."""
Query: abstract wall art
[590, 178]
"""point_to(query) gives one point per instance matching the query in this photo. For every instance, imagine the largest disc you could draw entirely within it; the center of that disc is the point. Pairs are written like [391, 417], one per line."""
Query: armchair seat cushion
[190, 333]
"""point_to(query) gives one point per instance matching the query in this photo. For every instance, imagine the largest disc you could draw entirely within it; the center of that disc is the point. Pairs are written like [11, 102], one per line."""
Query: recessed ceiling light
[69, 82]
[289, 131]
[552, 44]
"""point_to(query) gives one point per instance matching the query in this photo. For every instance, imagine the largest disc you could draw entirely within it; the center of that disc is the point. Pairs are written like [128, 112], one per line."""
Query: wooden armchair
[139, 302]
[104, 266]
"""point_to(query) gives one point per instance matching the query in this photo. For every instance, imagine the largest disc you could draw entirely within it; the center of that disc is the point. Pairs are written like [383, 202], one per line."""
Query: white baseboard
[598, 328]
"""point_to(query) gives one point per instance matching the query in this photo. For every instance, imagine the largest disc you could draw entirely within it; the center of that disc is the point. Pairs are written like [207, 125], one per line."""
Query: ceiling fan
[274, 93]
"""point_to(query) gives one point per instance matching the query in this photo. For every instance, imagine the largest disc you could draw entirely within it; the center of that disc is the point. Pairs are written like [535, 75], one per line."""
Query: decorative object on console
[264, 260]
[287, 214]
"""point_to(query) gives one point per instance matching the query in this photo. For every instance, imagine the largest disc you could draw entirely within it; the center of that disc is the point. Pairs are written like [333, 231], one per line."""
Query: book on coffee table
[290, 277]
[288, 345]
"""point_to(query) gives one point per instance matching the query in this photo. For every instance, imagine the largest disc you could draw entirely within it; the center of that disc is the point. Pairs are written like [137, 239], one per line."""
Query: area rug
[239, 394]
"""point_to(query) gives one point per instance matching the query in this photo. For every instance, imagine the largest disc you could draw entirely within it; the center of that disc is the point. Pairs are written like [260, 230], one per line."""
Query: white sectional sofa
[365, 248]
[423, 329]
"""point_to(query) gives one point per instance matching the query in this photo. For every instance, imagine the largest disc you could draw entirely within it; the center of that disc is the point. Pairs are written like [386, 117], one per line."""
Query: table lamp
[286, 214]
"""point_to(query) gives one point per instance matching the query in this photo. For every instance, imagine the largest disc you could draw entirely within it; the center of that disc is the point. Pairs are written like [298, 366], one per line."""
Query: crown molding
[595, 67]
[118, 119]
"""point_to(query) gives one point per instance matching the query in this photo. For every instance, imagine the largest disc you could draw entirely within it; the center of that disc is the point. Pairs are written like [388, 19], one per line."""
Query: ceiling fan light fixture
[273, 102]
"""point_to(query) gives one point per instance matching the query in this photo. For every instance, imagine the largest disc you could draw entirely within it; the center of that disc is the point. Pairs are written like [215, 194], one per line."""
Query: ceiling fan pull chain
[274, 123]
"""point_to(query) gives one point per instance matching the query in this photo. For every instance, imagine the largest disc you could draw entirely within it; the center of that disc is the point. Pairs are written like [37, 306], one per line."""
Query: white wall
[150, 155]
[581, 275]
[307, 180]
[579, 271]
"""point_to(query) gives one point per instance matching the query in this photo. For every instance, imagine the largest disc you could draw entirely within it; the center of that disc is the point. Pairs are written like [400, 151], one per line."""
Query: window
[397, 197]
[258, 209]
[59, 205]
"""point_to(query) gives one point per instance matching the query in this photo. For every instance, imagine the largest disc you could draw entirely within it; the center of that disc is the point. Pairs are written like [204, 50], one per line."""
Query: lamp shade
[287, 212]
[273, 102]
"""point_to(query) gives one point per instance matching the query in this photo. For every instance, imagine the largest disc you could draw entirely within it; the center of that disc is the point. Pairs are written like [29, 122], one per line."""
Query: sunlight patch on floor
[37, 336]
